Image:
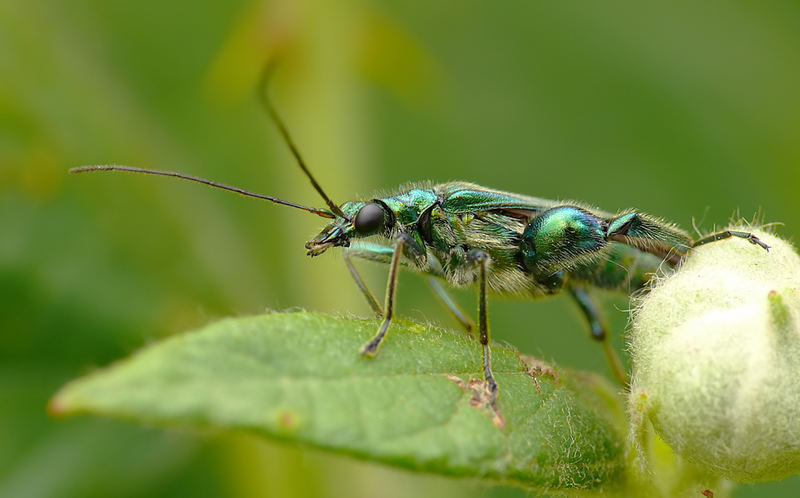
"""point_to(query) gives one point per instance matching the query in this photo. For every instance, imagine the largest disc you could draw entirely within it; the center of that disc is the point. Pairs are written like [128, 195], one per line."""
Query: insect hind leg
[727, 234]
[598, 331]
[371, 348]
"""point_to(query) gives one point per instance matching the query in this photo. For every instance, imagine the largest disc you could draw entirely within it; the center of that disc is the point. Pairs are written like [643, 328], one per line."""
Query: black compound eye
[369, 219]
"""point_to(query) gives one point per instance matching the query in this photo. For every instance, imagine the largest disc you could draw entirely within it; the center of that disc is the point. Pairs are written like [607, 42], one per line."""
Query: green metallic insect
[506, 243]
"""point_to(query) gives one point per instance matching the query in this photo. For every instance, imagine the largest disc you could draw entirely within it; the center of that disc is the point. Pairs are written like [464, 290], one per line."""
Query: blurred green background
[683, 111]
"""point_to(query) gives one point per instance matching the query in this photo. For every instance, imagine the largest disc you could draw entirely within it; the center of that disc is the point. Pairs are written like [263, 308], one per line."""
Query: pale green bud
[716, 359]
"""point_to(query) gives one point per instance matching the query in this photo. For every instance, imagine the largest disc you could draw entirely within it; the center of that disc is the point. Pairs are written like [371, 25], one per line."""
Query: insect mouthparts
[317, 248]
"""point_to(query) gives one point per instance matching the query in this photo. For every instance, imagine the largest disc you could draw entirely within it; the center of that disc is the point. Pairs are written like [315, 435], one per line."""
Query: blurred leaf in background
[683, 111]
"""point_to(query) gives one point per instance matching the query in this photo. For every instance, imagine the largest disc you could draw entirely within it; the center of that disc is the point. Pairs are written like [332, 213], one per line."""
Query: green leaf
[299, 376]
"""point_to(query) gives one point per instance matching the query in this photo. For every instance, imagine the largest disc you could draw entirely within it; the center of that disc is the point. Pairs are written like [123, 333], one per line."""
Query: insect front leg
[403, 243]
[362, 286]
[383, 254]
[480, 258]
[598, 331]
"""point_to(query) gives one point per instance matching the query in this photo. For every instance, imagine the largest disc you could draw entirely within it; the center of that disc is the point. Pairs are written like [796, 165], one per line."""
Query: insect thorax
[452, 236]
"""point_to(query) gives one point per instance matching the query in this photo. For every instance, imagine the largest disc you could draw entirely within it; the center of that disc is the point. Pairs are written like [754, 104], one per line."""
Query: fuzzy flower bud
[716, 359]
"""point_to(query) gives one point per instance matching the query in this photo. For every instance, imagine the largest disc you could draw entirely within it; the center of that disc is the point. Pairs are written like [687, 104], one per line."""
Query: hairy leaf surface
[419, 404]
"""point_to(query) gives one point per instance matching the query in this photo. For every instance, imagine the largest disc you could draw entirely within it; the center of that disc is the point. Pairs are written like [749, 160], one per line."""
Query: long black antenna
[112, 167]
[264, 93]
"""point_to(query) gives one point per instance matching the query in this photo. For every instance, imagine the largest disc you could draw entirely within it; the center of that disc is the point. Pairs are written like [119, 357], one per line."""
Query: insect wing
[466, 198]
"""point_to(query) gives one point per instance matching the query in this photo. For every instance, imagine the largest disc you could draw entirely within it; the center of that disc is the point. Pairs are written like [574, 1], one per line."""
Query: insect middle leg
[480, 258]
[598, 331]
[451, 305]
